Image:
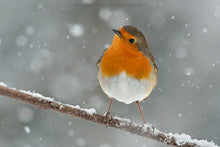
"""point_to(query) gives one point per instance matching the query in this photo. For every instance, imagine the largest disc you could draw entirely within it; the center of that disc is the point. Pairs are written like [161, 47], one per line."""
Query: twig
[124, 124]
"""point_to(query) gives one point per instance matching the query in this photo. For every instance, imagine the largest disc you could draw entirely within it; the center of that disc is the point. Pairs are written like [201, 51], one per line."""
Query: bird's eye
[131, 40]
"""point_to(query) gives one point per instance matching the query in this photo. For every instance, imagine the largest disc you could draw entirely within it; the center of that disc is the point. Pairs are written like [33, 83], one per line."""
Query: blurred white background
[52, 47]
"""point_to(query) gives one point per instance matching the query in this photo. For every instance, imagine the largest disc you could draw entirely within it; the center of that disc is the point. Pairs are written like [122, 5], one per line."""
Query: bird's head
[130, 37]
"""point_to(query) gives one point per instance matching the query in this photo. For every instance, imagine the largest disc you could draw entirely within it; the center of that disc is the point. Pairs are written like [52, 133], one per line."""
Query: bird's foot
[107, 119]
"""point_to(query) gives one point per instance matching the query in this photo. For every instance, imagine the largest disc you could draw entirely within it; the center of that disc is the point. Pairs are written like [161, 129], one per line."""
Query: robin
[127, 71]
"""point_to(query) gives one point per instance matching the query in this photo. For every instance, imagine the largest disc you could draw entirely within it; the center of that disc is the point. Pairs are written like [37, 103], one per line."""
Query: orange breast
[118, 60]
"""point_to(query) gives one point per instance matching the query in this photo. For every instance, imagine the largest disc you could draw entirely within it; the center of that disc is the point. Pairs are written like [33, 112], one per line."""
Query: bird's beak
[117, 32]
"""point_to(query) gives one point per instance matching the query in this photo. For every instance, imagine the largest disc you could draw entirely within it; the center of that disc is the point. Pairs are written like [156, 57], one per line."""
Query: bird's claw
[107, 119]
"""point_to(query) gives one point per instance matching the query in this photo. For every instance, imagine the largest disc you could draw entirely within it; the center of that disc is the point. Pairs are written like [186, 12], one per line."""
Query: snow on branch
[124, 124]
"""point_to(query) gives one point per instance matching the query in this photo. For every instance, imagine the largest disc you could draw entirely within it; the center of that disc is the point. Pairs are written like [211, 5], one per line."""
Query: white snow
[41, 59]
[90, 111]
[21, 40]
[76, 30]
[71, 133]
[186, 25]
[114, 19]
[75, 107]
[27, 129]
[26, 114]
[31, 45]
[204, 30]
[173, 17]
[105, 13]
[80, 142]
[180, 138]
[105, 145]
[183, 138]
[34, 94]
[61, 106]
[147, 127]
[40, 6]
[107, 45]
[3, 84]
[29, 30]
[87, 1]
[189, 71]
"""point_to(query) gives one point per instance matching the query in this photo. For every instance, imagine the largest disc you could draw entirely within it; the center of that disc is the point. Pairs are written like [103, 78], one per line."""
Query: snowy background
[52, 47]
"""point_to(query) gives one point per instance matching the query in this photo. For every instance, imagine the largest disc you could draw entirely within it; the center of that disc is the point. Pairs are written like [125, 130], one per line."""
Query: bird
[127, 71]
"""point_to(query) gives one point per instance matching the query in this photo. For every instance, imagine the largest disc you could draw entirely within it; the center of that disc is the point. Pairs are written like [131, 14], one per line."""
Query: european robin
[127, 71]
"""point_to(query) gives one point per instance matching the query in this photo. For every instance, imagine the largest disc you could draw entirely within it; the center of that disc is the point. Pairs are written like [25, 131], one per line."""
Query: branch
[124, 124]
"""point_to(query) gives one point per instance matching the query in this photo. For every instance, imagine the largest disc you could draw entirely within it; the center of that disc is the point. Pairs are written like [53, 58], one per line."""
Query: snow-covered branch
[124, 124]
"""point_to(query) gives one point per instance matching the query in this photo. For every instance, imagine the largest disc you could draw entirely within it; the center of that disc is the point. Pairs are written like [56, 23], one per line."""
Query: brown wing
[146, 51]
[98, 63]
[153, 60]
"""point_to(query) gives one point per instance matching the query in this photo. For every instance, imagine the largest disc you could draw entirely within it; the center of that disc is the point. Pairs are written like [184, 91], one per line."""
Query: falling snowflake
[76, 30]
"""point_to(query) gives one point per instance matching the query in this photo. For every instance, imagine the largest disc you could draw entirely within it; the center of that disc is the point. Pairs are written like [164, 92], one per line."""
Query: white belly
[126, 89]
